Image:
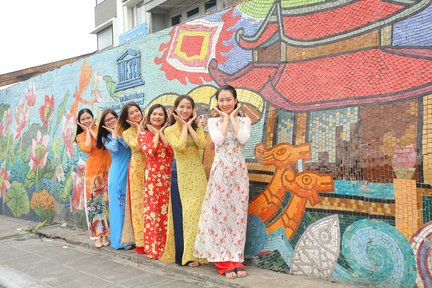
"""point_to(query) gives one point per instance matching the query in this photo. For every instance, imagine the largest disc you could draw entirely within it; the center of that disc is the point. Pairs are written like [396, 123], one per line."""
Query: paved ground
[65, 257]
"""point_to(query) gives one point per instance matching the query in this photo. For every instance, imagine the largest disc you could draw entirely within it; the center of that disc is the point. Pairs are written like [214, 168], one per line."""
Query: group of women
[160, 200]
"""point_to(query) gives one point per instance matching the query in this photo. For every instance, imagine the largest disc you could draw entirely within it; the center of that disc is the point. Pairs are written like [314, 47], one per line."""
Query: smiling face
[110, 121]
[85, 119]
[184, 110]
[226, 101]
[157, 118]
[134, 114]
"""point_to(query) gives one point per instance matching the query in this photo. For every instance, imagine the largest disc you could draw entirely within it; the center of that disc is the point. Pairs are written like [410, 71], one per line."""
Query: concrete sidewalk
[257, 277]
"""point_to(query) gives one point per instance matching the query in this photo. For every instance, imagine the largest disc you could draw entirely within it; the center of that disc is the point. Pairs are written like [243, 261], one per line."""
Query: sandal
[241, 272]
[193, 264]
[231, 274]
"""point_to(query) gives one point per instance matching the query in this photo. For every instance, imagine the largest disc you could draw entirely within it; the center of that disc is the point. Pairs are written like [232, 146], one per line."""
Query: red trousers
[222, 267]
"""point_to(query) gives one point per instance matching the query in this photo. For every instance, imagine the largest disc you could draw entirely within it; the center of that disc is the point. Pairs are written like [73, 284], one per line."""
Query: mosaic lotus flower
[30, 96]
[78, 183]
[21, 118]
[39, 151]
[46, 111]
[404, 157]
[68, 133]
[4, 180]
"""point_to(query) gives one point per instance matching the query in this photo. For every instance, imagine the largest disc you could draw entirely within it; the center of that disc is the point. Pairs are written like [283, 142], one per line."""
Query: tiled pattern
[427, 139]
[421, 245]
[427, 208]
[407, 32]
[301, 128]
[377, 138]
[317, 250]
[355, 206]
[378, 254]
[285, 127]
[406, 206]
[322, 131]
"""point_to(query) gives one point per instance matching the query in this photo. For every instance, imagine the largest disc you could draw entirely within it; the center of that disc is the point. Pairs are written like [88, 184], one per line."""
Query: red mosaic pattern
[325, 23]
[193, 45]
[334, 21]
[369, 76]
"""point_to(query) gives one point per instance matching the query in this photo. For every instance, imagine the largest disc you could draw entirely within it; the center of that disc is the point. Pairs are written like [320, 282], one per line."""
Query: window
[138, 14]
[105, 38]
[192, 13]
[175, 20]
[210, 6]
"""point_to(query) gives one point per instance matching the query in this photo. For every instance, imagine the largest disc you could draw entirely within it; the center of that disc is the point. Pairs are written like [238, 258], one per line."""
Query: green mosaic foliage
[260, 8]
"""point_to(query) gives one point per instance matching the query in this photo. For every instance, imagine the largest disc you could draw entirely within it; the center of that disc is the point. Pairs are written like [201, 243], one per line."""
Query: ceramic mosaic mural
[340, 97]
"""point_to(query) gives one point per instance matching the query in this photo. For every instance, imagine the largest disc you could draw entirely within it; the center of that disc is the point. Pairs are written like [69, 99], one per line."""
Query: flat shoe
[105, 242]
[129, 247]
[98, 244]
[193, 264]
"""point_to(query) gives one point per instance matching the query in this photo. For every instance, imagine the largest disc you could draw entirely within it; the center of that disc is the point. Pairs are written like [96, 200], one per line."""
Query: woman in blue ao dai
[117, 176]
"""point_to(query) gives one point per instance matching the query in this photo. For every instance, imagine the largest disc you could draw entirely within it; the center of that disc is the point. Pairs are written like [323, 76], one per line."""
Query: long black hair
[102, 131]
[81, 112]
[177, 103]
[152, 108]
[231, 89]
[124, 125]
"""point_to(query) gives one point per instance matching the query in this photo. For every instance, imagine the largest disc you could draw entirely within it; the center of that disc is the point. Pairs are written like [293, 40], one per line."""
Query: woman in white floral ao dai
[221, 232]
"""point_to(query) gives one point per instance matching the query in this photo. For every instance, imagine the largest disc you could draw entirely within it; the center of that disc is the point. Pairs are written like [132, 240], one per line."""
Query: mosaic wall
[340, 96]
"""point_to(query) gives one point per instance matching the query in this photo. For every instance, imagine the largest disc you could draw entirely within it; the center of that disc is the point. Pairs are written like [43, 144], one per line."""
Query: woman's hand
[162, 130]
[194, 116]
[235, 112]
[179, 120]
[222, 114]
[152, 129]
[85, 128]
[112, 131]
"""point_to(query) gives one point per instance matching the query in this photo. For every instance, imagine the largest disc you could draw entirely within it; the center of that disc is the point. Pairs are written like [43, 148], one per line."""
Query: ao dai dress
[136, 186]
[156, 193]
[221, 233]
[117, 184]
[192, 184]
[96, 190]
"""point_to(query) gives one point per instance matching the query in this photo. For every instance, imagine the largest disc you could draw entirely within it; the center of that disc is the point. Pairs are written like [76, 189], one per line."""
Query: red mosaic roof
[368, 76]
[327, 23]
[337, 20]
[271, 30]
